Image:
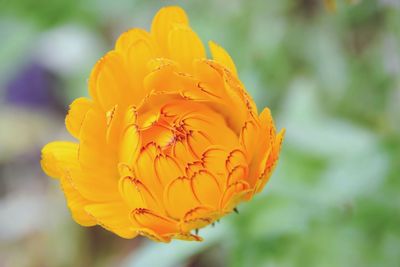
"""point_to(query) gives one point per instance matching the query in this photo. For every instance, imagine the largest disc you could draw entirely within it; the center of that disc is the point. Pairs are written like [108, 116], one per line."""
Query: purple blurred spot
[36, 87]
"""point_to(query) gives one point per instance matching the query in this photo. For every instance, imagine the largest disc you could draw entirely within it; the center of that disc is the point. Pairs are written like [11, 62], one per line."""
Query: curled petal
[155, 222]
[113, 216]
[266, 133]
[184, 45]
[213, 128]
[114, 119]
[219, 54]
[210, 77]
[167, 169]
[214, 160]
[271, 163]
[137, 195]
[236, 158]
[233, 195]
[163, 22]
[145, 169]
[186, 237]
[152, 235]
[167, 79]
[160, 134]
[76, 115]
[159, 63]
[206, 188]
[249, 130]
[181, 150]
[197, 143]
[131, 139]
[193, 167]
[237, 173]
[76, 203]
[198, 217]
[130, 37]
[138, 54]
[96, 178]
[179, 197]
[58, 157]
[108, 82]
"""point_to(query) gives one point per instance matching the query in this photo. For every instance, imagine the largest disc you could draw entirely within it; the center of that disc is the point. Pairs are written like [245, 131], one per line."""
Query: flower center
[185, 125]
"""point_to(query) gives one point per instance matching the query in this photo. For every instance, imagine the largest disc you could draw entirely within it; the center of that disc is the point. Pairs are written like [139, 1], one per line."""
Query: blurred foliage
[331, 79]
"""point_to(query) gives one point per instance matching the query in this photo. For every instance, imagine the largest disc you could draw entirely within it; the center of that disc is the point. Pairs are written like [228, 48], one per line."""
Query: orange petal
[206, 188]
[159, 63]
[193, 167]
[184, 46]
[180, 108]
[198, 143]
[58, 157]
[267, 124]
[257, 166]
[214, 160]
[130, 145]
[167, 79]
[149, 219]
[145, 170]
[125, 170]
[114, 123]
[186, 237]
[179, 197]
[239, 102]
[76, 203]
[212, 127]
[93, 144]
[137, 195]
[167, 168]
[108, 82]
[130, 37]
[238, 173]
[76, 115]
[152, 235]
[266, 135]
[182, 151]
[158, 134]
[272, 160]
[131, 140]
[210, 76]
[198, 217]
[138, 56]
[114, 216]
[148, 119]
[248, 138]
[220, 55]
[233, 195]
[98, 175]
[93, 141]
[236, 158]
[163, 22]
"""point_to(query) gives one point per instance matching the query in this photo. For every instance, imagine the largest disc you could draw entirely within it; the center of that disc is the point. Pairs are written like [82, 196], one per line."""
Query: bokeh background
[332, 79]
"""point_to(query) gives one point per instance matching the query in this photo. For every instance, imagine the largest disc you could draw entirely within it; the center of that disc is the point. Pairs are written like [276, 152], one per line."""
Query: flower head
[169, 140]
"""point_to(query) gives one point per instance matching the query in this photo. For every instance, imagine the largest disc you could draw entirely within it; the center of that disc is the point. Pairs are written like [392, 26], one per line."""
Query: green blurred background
[331, 79]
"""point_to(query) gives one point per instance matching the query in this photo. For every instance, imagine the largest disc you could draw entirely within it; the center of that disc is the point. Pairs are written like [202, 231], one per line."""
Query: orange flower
[169, 141]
